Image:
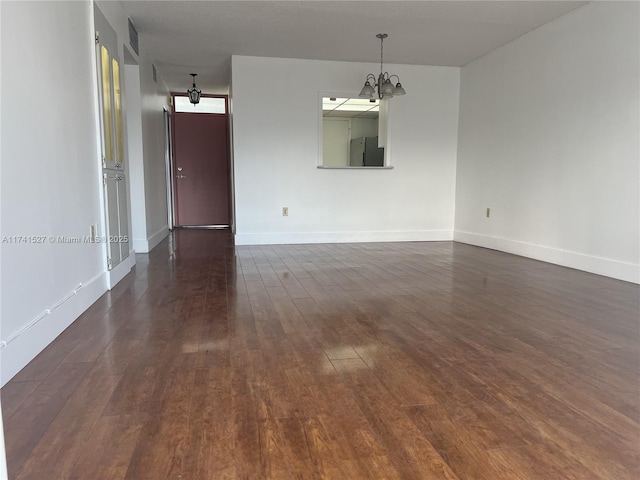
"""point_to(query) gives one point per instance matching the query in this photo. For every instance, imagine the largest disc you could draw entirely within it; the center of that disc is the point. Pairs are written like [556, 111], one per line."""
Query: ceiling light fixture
[385, 88]
[194, 92]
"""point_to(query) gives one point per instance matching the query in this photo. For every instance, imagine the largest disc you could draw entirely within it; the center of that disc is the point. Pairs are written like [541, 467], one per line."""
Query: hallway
[341, 361]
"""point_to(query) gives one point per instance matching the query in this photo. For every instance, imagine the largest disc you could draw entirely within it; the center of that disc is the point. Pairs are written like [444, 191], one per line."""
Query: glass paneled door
[112, 136]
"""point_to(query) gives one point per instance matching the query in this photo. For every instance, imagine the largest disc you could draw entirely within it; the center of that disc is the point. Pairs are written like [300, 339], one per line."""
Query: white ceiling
[200, 36]
[350, 107]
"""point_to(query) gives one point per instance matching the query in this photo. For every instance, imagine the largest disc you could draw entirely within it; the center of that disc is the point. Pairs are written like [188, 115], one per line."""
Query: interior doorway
[201, 170]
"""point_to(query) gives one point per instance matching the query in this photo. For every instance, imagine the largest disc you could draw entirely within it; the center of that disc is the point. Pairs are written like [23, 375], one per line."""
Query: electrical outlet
[285, 211]
[488, 212]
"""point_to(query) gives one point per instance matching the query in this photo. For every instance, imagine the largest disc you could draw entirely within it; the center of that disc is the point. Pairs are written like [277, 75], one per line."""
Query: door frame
[172, 186]
[168, 162]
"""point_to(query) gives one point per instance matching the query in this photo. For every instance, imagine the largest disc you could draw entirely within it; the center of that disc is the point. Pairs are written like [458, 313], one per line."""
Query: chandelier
[194, 92]
[385, 88]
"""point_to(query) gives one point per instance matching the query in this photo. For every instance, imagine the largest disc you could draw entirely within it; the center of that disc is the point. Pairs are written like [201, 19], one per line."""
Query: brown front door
[201, 169]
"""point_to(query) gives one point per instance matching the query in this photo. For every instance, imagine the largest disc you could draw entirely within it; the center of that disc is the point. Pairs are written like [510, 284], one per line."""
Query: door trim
[168, 161]
[230, 191]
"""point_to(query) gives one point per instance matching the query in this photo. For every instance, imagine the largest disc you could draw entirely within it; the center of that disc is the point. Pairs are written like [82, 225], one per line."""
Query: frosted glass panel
[117, 105]
[106, 103]
[206, 105]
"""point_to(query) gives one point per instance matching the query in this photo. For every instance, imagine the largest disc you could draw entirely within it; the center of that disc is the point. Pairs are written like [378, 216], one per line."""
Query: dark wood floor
[368, 361]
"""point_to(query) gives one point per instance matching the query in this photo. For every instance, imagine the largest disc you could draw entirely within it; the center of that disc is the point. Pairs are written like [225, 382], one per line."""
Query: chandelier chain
[381, 50]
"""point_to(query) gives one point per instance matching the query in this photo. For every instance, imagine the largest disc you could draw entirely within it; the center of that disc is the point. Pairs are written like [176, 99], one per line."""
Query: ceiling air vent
[133, 37]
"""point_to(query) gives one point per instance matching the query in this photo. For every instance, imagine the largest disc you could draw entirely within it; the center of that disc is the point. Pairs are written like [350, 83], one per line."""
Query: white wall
[154, 97]
[139, 236]
[50, 182]
[364, 127]
[276, 143]
[3, 456]
[549, 140]
[146, 100]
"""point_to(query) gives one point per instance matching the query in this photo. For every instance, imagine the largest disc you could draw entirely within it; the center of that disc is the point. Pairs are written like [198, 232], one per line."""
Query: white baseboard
[24, 345]
[290, 238]
[118, 272]
[141, 245]
[628, 272]
[157, 237]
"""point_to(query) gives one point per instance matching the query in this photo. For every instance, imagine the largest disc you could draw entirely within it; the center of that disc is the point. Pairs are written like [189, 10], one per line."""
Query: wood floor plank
[162, 447]
[59, 449]
[14, 394]
[209, 451]
[109, 448]
[34, 417]
[376, 361]
[411, 454]
[333, 449]
[461, 447]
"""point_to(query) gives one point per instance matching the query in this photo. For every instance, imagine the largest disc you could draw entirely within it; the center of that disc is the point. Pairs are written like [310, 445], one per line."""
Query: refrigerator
[366, 153]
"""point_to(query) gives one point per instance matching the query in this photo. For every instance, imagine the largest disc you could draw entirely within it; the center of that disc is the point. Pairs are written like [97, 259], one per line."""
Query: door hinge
[97, 37]
[104, 162]
[109, 264]
[104, 179]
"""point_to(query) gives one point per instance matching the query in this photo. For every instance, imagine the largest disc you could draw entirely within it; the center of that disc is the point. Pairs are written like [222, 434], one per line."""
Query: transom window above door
[206, 105]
